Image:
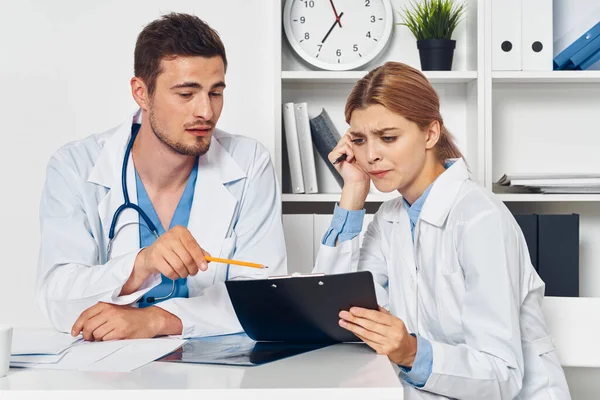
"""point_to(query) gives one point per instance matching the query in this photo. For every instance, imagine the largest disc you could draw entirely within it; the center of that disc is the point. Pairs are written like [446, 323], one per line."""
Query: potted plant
[432, 22]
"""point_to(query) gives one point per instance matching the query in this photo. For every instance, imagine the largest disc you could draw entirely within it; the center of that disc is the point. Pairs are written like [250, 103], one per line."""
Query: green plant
[432, 19]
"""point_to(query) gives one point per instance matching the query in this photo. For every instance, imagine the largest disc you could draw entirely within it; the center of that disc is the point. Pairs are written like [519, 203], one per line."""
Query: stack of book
[582, 53]
[552, 183]
[308, 142]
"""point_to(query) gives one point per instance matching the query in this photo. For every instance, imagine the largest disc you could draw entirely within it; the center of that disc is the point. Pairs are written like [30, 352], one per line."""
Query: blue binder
[593, 59]
[582, 55]
[561, 61]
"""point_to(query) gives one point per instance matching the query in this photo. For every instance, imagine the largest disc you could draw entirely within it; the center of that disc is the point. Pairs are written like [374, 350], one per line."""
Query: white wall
[65, 67]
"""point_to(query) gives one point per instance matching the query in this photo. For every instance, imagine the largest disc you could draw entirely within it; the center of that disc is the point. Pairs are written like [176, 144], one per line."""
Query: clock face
[338, 34]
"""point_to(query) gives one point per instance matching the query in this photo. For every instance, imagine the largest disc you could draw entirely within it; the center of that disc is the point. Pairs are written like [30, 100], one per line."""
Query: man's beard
[198, 149]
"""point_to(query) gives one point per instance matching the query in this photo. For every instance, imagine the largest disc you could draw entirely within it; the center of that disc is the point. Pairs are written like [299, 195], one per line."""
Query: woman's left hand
[383, 332]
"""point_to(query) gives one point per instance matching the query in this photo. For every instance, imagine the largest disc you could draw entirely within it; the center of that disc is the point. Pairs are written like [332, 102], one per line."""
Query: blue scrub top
[180, 217]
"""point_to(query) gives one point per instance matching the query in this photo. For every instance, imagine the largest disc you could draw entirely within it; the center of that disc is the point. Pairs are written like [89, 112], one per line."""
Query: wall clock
[338, 34]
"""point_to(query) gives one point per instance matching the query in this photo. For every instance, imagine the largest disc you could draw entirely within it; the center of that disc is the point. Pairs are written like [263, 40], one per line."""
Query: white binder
[307, 155]
[293, 148]
[537, 35]
[506, 35]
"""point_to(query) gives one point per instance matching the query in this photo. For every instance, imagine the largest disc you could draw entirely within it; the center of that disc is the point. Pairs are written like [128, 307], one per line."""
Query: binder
[582, 55]
[293, 148]
[562, 59]
[529, 226]
[506, 35]
[537, 35]
[558, 254]
[300, 308]
[307, 155]
[593, 59]
[325, 137]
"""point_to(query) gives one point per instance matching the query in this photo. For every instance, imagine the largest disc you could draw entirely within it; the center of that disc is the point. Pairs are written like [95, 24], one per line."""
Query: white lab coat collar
[440, 199]
[213, 205]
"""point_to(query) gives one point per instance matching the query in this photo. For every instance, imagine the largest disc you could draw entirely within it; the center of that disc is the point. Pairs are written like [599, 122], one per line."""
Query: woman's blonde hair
[407, 92]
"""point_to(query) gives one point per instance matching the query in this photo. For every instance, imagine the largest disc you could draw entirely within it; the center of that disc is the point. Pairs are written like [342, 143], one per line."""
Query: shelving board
[333, 197]
[546, 76]
[542, 197]
[353, 76]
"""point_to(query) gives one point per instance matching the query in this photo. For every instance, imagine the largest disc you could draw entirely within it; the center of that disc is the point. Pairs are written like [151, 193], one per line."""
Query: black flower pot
[436, 54]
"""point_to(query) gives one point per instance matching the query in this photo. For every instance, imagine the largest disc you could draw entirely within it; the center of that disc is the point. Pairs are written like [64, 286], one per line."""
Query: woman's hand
[348, 169]
[383, 332]
[356, 181]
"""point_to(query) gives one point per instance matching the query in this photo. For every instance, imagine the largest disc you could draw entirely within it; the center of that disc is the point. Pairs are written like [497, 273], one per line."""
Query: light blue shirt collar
[414, 210]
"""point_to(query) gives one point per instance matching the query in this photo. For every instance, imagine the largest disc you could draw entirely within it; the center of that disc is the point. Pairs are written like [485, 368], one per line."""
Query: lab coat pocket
[550, 367]
[227, 251]
[228, 247]
[216, 272]
[450, 293]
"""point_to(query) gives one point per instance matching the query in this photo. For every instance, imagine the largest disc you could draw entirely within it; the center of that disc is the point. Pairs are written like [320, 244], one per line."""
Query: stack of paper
[49, 349]
[553, 183]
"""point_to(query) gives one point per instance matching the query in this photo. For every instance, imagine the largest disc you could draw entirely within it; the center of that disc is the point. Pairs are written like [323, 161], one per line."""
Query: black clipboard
[301, 309]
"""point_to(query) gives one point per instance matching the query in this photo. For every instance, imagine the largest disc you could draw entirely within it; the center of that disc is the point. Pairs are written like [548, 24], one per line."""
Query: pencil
[235, 262]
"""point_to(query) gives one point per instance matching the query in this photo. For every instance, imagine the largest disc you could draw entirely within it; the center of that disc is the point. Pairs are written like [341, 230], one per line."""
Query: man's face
[187, 103]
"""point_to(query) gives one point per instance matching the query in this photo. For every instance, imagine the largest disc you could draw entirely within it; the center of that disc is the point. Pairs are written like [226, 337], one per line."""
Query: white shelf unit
[460, 91]
[504, 122]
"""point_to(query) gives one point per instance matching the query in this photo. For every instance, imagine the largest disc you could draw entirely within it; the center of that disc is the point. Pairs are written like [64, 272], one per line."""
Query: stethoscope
[135, 128]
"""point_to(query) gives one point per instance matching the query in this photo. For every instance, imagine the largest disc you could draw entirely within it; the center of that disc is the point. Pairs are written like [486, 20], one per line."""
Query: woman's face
[389, 147]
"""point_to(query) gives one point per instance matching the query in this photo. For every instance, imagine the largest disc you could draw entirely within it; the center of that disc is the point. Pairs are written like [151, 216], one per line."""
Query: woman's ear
[433, 132]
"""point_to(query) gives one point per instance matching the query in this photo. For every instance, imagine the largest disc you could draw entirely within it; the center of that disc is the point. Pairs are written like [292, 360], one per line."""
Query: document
[110, 356]
[41, 341]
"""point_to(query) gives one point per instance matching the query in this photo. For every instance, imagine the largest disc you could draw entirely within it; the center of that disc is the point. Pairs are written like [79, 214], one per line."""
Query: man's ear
[433, 132]
[140, 94]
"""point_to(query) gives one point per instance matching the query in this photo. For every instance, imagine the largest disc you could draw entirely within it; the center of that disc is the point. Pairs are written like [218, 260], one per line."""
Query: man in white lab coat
[201, 192]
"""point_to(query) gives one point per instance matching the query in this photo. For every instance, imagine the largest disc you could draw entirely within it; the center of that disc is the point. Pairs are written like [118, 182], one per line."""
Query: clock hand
[330, 29]
[337, 18]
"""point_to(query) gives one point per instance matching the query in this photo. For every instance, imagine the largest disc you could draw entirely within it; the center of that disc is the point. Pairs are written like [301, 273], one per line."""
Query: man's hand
[175, 254]
[383, 332]
[113, 322]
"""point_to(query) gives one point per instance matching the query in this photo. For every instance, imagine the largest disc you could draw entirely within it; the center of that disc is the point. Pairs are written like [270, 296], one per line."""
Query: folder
[302, 308]
[562, 59]
[537, 35]
[506, 35]
[293, 148]
[307, 153]
[582, 55]
[529, 226]
[593, 59]
[558, 254]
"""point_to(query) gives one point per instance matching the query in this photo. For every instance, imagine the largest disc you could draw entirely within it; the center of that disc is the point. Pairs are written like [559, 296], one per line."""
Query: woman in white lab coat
[460, 301]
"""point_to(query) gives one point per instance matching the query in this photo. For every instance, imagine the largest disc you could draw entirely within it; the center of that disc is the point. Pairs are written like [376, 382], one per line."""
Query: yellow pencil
[235, 262]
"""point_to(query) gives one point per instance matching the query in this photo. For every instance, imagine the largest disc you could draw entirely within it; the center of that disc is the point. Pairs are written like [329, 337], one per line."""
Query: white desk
[348, 371]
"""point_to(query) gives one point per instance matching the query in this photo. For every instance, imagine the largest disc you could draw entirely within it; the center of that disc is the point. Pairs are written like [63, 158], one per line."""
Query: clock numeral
[320, 46]
[338, 52]
[310, 4]
[302, 20]
[367, 3]
[306, 36]
[372, 18]
[369, 34]
[355, 47]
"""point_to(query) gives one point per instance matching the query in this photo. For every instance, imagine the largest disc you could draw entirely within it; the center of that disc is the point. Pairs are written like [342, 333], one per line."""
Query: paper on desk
[79, 356]
[111, 356]
[40, 341]
[136, 354]
[38, 358]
